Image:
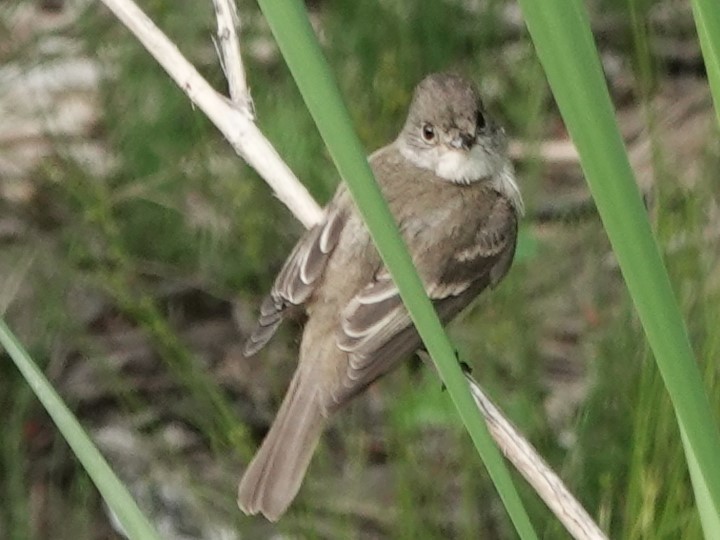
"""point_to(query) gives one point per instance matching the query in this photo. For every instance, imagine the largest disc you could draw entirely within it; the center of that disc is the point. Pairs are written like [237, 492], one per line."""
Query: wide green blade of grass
[112, 489]
[707, 20]
[290, 25]
[561, 33]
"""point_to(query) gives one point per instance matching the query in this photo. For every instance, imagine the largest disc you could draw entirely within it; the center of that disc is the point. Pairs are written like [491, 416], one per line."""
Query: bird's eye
[480, 121]
[428, 132]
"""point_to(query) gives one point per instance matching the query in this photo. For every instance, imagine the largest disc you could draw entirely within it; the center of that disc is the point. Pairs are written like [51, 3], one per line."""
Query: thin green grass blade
[113, 491]
[291, 28]
[709, 518]
[707, 20]
[564, 43]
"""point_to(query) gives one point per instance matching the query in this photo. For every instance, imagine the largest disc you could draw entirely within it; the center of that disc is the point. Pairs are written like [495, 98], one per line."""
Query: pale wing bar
[297, 279]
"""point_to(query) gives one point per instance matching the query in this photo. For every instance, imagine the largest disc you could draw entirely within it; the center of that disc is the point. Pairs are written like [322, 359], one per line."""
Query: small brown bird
[452, 191]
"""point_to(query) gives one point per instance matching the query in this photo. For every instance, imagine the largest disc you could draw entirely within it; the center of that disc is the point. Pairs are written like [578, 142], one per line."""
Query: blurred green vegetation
[180, 208]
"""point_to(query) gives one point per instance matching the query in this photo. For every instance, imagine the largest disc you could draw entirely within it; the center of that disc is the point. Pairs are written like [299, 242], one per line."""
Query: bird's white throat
[466, 167]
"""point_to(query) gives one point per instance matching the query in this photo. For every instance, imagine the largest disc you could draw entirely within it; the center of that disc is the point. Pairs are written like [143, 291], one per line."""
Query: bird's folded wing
[375, 328]
[298, 277]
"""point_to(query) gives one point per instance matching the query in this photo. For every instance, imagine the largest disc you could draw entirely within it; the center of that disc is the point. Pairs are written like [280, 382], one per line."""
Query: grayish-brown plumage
[452, 191]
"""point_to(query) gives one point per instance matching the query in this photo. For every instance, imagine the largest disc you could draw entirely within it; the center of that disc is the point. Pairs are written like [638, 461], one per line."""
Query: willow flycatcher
[452, 190]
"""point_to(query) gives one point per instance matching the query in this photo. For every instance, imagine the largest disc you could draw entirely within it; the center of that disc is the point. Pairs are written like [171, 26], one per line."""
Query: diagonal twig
[235, 122]
[546, 483]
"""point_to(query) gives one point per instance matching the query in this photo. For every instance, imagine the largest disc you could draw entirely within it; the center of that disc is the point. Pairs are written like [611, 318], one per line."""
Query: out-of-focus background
[135, 247]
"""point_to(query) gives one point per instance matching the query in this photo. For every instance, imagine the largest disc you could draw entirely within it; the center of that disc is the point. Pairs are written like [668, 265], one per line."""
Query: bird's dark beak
[463, 140]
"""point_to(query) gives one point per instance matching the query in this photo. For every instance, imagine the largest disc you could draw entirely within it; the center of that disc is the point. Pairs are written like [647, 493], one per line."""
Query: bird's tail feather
[275, 474]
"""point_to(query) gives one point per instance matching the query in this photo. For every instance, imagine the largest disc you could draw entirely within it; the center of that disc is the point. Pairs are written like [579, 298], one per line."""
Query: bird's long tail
[273, 477]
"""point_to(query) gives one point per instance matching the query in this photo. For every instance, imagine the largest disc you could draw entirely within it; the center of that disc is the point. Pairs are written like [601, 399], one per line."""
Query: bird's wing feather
[298, 277]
